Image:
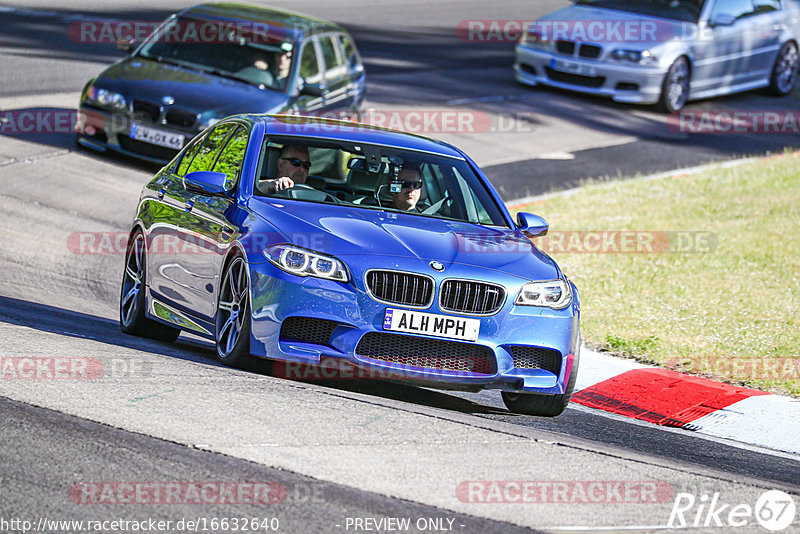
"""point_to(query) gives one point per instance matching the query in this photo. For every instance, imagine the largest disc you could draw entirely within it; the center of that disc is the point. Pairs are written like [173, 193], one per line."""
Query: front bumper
[278, 296]
[623, 83]
[103, 130]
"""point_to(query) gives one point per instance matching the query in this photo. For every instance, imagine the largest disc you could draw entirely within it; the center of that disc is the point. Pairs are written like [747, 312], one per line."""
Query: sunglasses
[412, 185]
[296, 162]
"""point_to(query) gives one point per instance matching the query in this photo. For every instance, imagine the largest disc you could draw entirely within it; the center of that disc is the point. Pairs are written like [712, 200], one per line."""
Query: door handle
[189, 205]
[161, 193]
[226, 234]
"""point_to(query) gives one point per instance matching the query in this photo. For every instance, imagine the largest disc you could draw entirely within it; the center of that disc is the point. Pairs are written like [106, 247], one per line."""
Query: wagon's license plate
[573, 68]
[157, 137]
[431, 324]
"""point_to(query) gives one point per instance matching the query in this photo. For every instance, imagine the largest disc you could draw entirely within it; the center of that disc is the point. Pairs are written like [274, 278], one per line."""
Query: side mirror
[722, 20]
[532, 225]
[126, 45]
[208, 182]
[313, 89]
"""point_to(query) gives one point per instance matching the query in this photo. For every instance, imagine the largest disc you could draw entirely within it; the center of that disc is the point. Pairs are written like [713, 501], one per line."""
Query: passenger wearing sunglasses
[293, 165]
[411, 188]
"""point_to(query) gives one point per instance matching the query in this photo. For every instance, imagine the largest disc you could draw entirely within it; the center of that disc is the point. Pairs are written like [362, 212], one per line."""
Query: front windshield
[187, 42]
[682, 10]
[343, 173]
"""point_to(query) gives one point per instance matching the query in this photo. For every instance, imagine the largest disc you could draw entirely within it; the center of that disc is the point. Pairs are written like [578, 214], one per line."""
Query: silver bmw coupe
[664, 52]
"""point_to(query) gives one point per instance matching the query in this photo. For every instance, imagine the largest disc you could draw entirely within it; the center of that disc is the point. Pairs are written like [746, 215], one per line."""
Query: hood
[192, 90]
[340, 231]
[609, 27]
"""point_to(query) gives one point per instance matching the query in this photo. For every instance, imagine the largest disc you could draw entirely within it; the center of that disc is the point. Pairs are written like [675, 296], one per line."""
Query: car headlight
[556, 294]
[536, 39]
[640, 57]
[302, 262]
[109, 99]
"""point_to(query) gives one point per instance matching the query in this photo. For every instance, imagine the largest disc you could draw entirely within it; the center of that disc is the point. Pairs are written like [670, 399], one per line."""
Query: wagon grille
[180, 118]
[147, 110]
[427, 353]
[407, 289]
[536, 358]
[463, 296]
[308, 330]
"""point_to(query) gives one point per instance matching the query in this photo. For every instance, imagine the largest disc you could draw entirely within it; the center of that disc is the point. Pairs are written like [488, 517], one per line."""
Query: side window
[350, 54]
[733, 8]
[334, 66]
[232, 156]
[767, 6]
[309, 67]
[204, 160]
[188, 156]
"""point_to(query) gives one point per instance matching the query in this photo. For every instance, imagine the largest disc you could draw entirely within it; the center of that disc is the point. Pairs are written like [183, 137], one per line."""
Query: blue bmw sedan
[305, 240]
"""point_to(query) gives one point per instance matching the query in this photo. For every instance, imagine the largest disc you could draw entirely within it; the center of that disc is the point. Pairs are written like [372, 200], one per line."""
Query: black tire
[132, 305]
[784, 72]
[675, 87]
[232, 332]
[543, 405]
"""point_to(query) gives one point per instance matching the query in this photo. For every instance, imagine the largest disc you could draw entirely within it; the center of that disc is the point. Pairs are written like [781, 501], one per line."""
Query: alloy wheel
[232, 307]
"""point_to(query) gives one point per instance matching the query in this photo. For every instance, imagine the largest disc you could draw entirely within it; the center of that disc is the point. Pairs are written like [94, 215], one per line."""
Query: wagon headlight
[109, 99]
[302, 262]
[640, 57]
[555, 294]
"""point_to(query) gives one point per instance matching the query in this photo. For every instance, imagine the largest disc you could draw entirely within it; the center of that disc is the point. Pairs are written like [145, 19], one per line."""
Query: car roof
[338, 130]
[288, 24]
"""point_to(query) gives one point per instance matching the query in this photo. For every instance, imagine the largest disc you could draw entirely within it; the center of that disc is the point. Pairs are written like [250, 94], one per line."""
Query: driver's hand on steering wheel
[282, 183]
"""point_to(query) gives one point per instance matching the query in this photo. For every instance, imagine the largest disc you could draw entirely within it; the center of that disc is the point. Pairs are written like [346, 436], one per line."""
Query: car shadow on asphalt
[84, 326]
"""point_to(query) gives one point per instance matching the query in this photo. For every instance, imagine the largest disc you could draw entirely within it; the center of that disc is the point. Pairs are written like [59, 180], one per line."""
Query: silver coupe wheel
[784, 74]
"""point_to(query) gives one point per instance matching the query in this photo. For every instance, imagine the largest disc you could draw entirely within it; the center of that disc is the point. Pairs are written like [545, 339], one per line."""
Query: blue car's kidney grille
[536, 358]
[465, 296]
[427, 353]
[407, 289]
[308, 330]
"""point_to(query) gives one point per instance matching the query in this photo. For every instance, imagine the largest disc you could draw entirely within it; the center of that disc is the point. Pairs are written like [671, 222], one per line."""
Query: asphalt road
[371, 449]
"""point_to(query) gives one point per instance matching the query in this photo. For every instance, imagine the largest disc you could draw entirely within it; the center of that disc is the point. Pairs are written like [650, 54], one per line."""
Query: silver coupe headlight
[640, 57]
[302, 262]
[556, 294]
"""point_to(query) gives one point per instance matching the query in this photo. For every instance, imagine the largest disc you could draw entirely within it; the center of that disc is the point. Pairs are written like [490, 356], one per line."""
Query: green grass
[730, 313]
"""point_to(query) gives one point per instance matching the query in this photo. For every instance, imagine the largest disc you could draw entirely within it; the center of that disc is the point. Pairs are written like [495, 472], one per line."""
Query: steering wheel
[295, 192]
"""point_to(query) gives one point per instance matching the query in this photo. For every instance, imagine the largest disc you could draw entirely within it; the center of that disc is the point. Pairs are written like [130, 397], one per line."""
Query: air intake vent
[427, 353]
[394, 287]
[536, 358]
[472, 298]
[308, 330]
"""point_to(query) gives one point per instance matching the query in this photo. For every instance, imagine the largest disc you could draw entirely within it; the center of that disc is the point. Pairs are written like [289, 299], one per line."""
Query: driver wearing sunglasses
[293, 166]
[409, 194]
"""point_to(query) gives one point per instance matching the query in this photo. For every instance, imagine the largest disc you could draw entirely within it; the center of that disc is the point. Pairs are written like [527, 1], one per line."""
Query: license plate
[431, 324]
[573, 68]
[157, 137]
